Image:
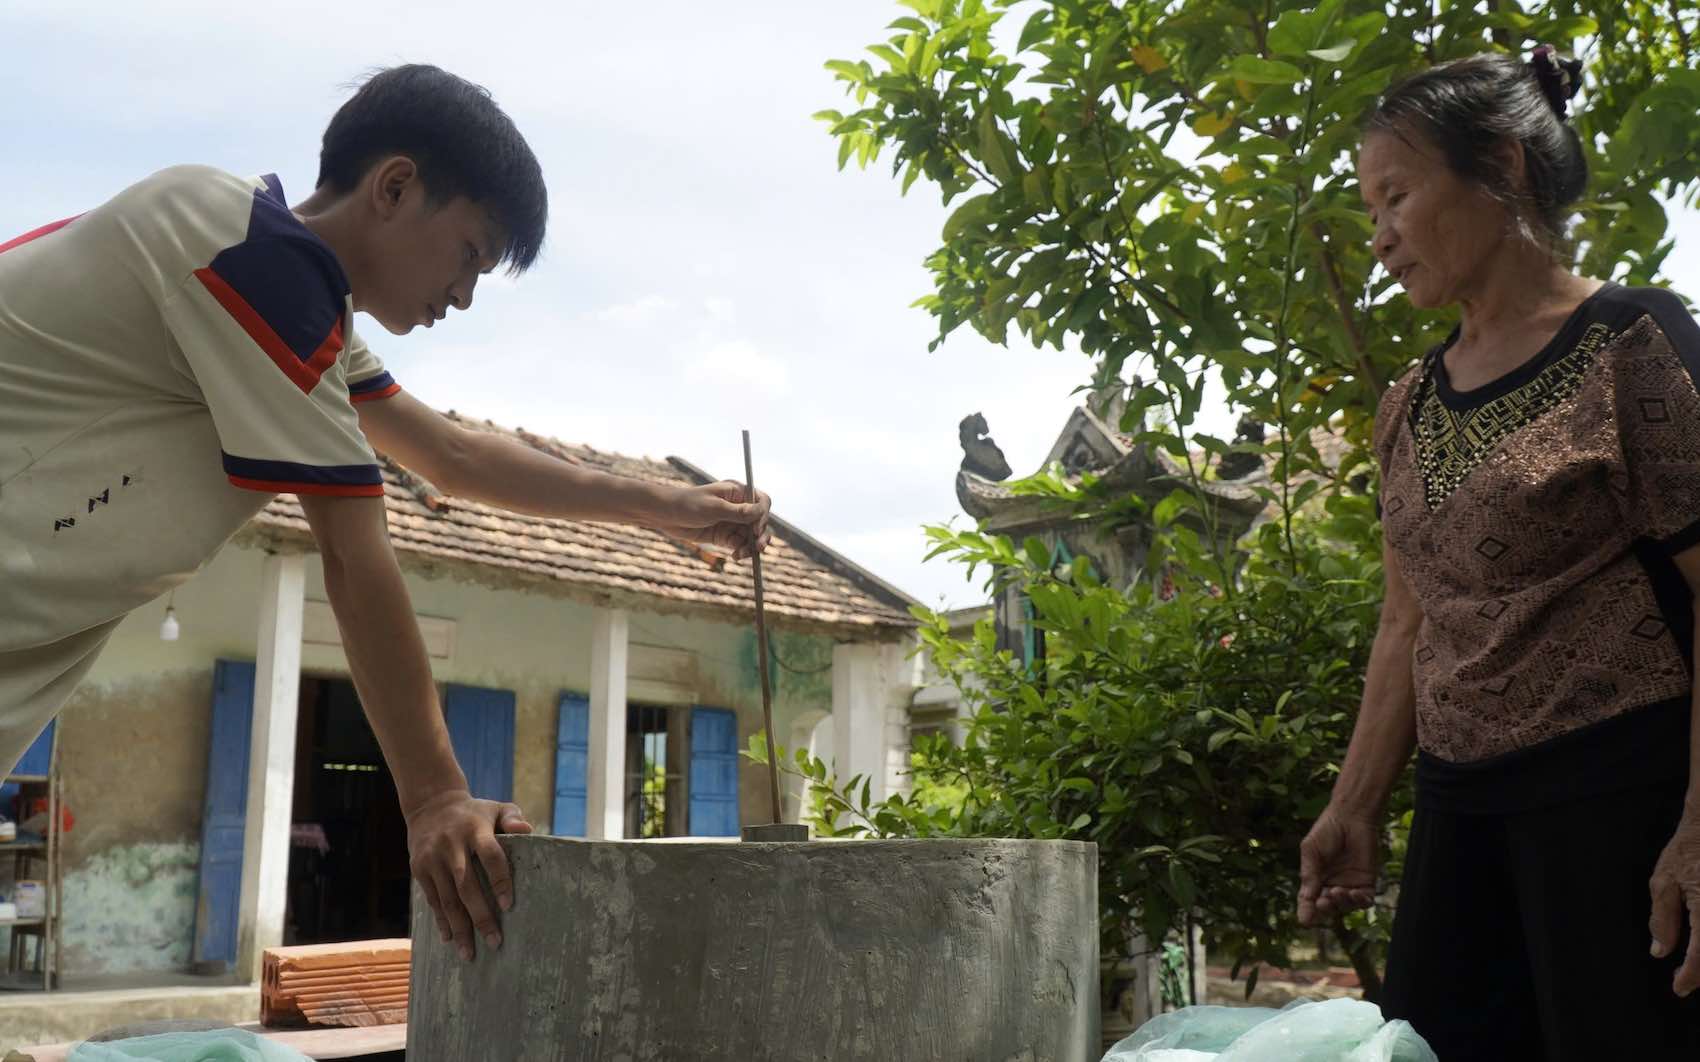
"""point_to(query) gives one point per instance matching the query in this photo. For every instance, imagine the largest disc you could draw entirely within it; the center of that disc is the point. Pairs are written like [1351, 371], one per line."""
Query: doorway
[658, 743]
[348, 863]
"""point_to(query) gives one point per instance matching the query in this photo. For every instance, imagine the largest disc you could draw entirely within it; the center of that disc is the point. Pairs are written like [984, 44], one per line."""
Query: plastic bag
[221, 1045]
[1336, 1030]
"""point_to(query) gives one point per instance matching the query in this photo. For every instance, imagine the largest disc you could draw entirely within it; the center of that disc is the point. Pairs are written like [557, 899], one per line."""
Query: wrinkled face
[422, 257]
[1435, 232]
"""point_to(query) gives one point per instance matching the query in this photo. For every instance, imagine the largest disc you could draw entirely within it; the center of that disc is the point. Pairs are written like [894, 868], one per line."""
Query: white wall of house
[133, 739]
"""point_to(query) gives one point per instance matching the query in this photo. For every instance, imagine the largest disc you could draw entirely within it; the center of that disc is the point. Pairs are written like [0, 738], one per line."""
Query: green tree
[1169, 188]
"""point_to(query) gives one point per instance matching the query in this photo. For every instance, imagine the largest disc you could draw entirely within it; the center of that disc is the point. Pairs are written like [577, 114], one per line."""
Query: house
[229, 796]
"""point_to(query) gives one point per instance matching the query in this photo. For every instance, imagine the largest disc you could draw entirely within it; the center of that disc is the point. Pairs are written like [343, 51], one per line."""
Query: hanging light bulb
[168, 630]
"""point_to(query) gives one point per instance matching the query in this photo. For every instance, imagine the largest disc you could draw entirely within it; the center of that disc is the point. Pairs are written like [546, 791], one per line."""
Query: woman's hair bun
[1560, 77]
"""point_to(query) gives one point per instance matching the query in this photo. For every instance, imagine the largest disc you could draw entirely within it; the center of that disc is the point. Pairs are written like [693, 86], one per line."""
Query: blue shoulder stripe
[289, 276]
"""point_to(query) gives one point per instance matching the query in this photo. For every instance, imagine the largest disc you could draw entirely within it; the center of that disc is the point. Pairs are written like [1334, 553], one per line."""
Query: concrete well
[890, 951]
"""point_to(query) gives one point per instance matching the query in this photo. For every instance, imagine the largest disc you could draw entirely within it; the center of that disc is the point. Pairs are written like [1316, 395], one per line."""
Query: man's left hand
[1675, 887]
[724, 516]
[447, 835]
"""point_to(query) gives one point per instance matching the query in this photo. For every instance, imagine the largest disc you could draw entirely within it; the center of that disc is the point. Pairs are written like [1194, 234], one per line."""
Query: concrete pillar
[271, 761]
[863, 951]
[811, 730]
[605, 802]
[904, 672]
[858, 716]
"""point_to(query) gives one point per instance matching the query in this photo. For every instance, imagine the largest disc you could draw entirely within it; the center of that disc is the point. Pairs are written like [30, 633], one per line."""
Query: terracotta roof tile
[803, 579]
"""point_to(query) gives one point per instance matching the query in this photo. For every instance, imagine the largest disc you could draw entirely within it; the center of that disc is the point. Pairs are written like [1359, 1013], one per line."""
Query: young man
[173, 358]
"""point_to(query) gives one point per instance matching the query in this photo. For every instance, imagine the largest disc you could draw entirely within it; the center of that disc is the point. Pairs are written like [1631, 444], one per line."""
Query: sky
[708, 269]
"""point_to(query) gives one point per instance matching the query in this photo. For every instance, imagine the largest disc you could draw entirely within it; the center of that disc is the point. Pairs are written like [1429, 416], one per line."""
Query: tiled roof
[1125, 463]
[804, 581]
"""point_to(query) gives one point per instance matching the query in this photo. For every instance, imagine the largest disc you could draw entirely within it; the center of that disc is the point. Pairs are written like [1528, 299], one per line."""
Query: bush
[1195, 739]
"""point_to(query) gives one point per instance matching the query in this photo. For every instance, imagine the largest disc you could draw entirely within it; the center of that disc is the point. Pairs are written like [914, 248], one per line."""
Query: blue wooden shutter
[714, 773]
[38, 758]
[572, 765]
[226, 812]
[481, 729]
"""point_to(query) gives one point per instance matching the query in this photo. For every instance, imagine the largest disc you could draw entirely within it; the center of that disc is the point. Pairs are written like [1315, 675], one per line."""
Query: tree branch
[1500, 34]
[1330, 269]
[1363, 961]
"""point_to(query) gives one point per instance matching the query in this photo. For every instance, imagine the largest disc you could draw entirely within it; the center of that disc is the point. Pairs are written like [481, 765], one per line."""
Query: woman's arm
[1340, 859]
[1386, 731]
[1675, 884]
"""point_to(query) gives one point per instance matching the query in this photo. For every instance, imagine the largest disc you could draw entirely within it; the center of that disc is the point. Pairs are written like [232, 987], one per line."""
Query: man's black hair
[463, 143]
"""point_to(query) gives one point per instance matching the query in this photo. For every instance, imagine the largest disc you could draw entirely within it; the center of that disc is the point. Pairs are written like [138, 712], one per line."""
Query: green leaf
[1080, 822]
[997, 151]
[1295, 32]
[1038, 554]
[1335, 53]
[972, 213]
[845, 69]
[892, 56]
[1035, 29]
[1261, 71]
[1181, 884]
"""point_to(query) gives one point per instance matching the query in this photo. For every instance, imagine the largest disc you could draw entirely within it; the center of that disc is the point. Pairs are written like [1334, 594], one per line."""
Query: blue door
[714, 773]
[225, 815]
[481, 729]
[572, 765]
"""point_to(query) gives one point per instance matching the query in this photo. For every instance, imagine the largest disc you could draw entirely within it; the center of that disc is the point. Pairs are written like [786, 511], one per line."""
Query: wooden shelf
[43, 846]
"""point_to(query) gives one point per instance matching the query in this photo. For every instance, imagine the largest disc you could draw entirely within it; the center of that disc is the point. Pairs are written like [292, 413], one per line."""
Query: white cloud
[640, 311]
[720, 311]
[736, 365]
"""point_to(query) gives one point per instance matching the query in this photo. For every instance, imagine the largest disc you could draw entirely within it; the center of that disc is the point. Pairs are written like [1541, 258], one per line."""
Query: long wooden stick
[761, 655]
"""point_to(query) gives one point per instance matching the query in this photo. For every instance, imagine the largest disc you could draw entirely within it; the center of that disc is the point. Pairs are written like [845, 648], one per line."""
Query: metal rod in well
[761, 656]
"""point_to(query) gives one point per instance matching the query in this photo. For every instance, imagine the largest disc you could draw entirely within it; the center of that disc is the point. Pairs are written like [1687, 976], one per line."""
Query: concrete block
[888, 951]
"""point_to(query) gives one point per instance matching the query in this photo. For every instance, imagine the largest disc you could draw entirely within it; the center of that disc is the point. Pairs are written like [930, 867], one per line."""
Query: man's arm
[446, 828]
[506, 474]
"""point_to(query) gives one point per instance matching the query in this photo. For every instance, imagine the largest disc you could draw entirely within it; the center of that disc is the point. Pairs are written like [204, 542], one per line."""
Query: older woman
[1541, 507]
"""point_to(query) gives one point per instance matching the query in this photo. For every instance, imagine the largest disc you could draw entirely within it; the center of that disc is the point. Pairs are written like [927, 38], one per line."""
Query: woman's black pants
[1524, 936]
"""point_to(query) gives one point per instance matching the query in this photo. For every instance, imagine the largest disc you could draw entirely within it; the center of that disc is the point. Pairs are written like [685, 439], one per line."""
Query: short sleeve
[367, 379]
[1657, 364]
[261, 330]
[1390, 415]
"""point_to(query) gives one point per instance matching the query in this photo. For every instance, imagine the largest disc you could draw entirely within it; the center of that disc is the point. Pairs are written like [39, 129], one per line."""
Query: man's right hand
[722, 515]
[1338, 864]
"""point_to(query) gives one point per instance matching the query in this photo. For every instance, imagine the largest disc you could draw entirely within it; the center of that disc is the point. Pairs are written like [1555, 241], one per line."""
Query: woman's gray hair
[1469, 107]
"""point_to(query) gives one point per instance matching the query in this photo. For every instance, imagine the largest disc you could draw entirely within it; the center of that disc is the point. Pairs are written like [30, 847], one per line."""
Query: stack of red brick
[361, 983]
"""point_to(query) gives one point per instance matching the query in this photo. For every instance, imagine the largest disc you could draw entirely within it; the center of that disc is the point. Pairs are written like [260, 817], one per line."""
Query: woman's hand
[1338, 864]
[1675, 886]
